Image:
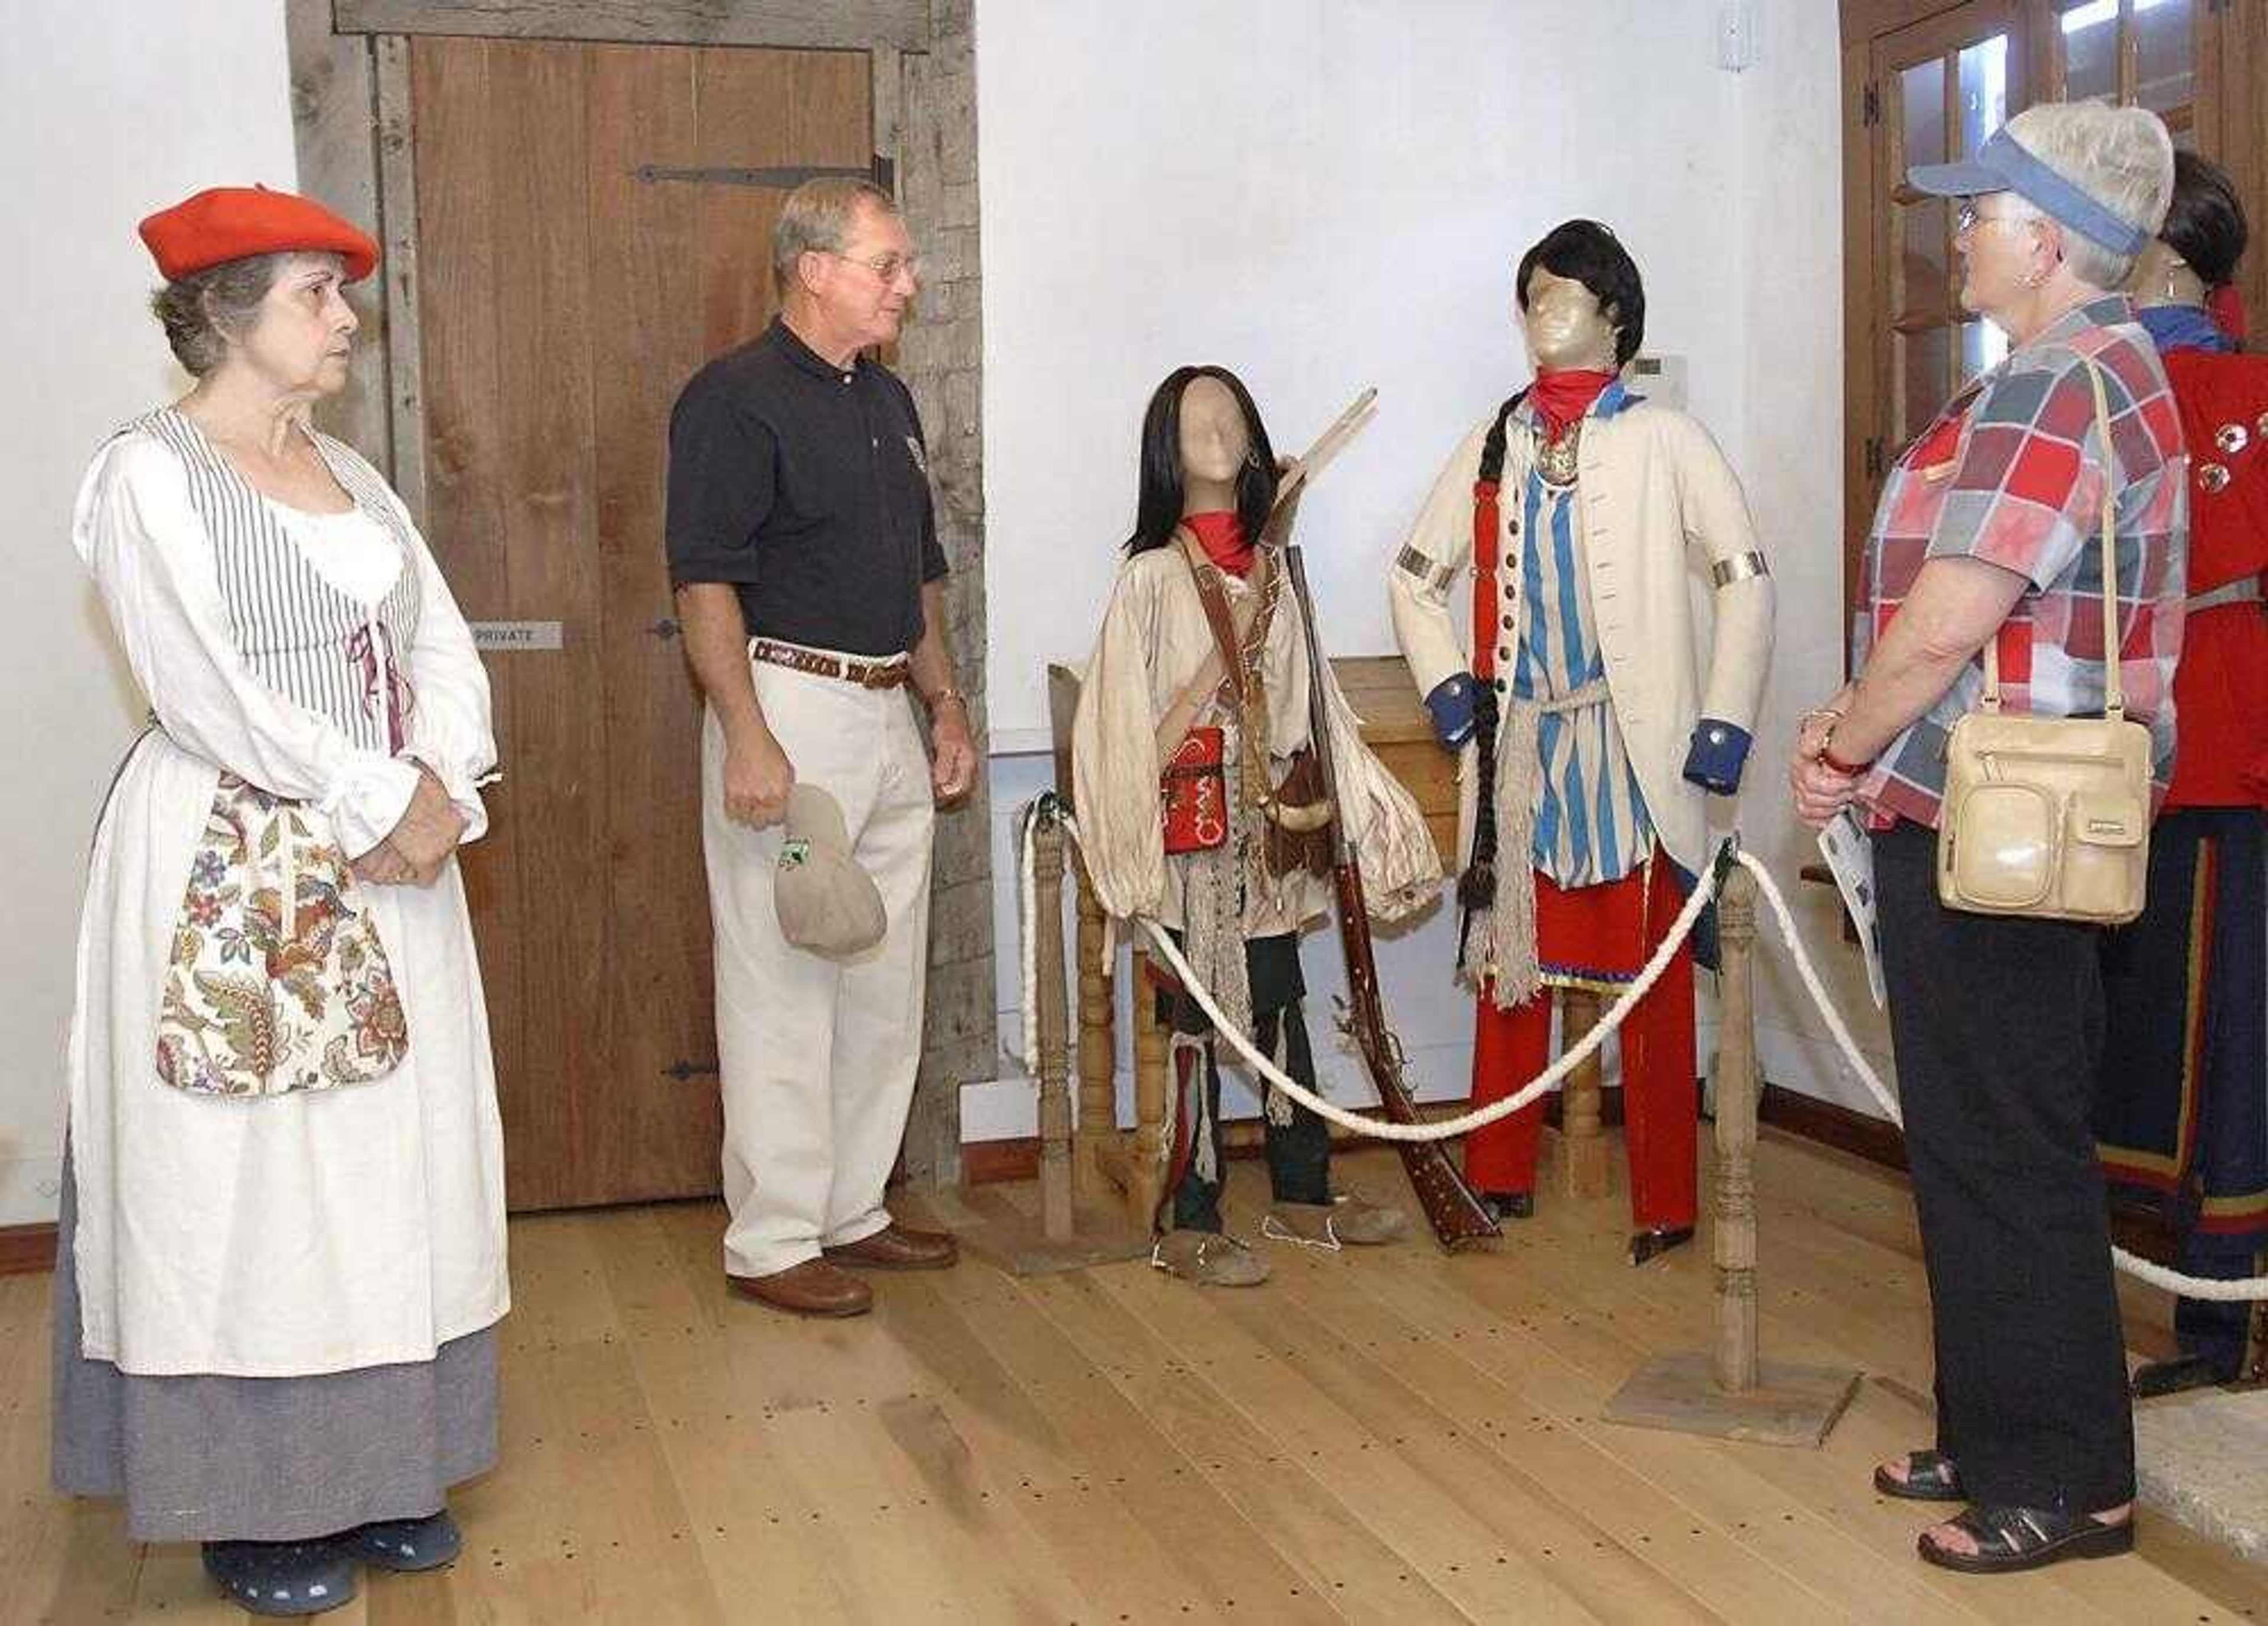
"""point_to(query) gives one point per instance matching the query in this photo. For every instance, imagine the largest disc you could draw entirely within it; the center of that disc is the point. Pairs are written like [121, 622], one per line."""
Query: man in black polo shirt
[811, 588]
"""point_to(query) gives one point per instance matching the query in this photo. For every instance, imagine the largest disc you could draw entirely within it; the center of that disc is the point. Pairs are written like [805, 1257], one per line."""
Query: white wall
[1327, 193]
[113, 109]
[1321, 195]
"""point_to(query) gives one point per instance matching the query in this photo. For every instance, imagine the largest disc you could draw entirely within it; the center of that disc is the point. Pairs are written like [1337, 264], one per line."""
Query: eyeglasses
[886, 266]
[1967, 219]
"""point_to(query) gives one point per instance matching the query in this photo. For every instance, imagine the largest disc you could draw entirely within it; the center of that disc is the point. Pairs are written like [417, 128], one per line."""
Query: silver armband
[1739, 568]
[1434, 578]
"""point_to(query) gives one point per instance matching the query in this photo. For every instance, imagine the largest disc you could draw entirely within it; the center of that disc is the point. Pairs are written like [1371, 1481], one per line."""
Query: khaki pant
[818, 1056]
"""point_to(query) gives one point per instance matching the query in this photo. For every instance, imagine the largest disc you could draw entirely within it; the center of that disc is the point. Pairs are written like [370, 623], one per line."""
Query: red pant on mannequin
[1611, 930]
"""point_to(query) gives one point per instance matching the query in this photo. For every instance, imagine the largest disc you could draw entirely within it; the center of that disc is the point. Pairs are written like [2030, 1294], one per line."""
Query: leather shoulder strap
[1207, 582]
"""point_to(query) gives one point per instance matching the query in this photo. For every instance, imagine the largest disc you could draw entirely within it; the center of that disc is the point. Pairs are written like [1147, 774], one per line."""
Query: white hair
[2123, 158]
[817, 218]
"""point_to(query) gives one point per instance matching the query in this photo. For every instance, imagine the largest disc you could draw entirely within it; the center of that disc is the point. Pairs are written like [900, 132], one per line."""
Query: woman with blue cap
[1986, 541]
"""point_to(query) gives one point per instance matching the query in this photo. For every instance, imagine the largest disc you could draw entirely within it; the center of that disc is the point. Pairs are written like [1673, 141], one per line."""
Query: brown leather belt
[864, 674]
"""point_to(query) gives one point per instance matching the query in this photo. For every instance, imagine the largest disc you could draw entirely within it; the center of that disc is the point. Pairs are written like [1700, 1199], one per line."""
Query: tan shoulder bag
[2049, 817]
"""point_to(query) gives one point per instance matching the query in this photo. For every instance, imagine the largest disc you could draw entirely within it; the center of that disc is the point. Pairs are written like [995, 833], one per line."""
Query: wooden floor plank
[1303, 1511]
[1383, 1434]
[1273, 1383]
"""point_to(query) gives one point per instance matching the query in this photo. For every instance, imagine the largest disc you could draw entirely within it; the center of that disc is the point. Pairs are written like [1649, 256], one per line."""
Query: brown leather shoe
[898, 1248]
[812, 1288]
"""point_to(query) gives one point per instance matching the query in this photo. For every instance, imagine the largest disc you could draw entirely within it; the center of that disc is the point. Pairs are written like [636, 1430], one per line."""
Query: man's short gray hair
[816, 219]
[2123, 158]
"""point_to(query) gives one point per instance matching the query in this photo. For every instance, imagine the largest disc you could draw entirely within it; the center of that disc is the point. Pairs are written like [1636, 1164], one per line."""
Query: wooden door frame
[351, 126]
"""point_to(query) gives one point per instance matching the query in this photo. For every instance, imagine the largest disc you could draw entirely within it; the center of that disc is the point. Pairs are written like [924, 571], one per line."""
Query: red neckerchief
[1562, 395]
[1221, 534]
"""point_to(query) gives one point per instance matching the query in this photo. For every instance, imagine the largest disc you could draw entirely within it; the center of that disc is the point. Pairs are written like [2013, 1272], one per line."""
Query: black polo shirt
[804, 485]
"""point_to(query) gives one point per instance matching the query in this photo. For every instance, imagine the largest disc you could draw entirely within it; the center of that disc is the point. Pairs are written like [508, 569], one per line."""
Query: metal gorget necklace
[1554, 460]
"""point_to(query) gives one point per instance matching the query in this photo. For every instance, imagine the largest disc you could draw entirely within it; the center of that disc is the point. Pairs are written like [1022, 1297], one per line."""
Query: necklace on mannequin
[1556, 455]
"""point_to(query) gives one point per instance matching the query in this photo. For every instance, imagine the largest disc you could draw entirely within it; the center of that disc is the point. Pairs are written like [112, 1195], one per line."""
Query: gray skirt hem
[213, 1458]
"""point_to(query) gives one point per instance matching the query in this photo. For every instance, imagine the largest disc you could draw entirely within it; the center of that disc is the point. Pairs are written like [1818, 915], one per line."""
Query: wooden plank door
[591, 227]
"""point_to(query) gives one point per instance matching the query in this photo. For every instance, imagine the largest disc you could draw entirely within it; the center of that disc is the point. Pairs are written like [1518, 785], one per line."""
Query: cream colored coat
[1657, 507]
[1154, 637]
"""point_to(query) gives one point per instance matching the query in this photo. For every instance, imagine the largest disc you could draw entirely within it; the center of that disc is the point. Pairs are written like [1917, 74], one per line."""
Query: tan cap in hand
[826, 903]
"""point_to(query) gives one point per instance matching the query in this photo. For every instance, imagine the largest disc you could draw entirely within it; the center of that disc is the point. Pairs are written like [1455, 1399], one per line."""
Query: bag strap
[2114, 688]
[1222, 623]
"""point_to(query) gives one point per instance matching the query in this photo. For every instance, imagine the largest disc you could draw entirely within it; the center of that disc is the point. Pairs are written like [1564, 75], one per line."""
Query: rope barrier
[1444, 1129]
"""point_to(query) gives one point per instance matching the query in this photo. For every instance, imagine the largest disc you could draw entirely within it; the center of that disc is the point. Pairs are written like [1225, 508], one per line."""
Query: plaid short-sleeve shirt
[2012, 473]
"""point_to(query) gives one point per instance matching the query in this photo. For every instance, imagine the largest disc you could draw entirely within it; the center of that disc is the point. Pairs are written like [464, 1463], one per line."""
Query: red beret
[233, 223]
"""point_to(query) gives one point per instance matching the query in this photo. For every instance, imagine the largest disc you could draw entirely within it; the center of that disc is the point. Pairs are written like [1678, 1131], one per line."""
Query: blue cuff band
[1451, 706]
[1718, 754]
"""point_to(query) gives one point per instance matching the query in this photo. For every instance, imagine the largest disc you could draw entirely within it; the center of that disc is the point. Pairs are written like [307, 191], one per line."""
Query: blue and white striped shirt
[1591, 821]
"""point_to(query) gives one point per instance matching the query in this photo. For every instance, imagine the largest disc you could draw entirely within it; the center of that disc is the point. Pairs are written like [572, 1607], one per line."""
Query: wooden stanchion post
[1728, 1390]
[1586, 1168]
[1054, 1046]
[1066, 1236]
[1735, 1240]
[1098, 1040]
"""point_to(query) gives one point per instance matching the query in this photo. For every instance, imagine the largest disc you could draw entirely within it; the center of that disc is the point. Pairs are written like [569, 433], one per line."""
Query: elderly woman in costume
[1201, 673]
[2183, 1117]
[1986, 541]
[282, 1257]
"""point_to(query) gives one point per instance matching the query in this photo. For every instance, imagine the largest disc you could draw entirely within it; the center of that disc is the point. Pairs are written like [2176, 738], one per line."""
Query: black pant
[1998, 1028]
[1299, 1152]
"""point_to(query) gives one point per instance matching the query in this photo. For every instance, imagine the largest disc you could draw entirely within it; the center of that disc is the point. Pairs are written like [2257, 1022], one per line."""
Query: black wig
[1589, 253]
[1158, 510]
[2204, 224]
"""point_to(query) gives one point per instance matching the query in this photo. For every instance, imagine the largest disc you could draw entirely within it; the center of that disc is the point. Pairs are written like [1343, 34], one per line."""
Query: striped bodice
[1591, 821]
[303, 638]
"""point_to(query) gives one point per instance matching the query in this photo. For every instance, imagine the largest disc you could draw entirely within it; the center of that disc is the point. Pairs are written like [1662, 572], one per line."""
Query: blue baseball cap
[2003, 163]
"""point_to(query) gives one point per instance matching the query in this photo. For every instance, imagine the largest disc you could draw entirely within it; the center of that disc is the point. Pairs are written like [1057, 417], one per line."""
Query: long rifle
[1455, 1212]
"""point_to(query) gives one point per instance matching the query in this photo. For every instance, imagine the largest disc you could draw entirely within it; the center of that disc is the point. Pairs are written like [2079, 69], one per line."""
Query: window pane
[1925, 375]
[2166, 33]
[1922, 93]
[1922, 288]
[1984, 91]
[1982, 346]
[2090, 51]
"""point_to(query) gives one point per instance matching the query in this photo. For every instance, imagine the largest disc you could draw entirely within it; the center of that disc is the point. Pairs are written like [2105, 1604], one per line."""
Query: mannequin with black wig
[1207, 525]
[1166, 496]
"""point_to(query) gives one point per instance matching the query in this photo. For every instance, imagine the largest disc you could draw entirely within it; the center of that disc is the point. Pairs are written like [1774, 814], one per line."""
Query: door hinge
[1870, 113]
[782, 178]
[682, 1070]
